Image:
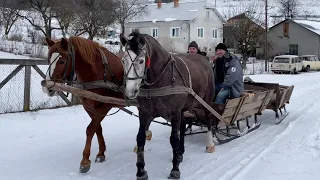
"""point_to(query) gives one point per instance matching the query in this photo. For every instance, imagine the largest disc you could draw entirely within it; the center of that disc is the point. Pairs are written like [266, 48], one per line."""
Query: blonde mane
[87, 49]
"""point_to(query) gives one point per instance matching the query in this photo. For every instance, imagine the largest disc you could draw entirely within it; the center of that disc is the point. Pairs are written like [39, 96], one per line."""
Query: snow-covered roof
[309, 24]
[167, 12]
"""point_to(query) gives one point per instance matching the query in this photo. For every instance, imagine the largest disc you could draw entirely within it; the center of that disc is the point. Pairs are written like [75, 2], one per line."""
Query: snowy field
[48, 144]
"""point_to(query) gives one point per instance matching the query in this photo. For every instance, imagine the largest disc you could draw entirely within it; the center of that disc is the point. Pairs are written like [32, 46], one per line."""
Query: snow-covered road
[48, 144]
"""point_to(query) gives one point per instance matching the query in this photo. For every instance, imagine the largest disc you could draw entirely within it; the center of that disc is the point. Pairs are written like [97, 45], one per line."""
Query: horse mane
[146, 38]
[86, 48]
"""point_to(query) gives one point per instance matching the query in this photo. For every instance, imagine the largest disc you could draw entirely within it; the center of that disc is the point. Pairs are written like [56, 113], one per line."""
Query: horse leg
[144, 120]
[148, 136]
[175, 143]
[92, 128]
[85, 162]
[182, 135]
[148, 132]
[209, 144]
[102, 145]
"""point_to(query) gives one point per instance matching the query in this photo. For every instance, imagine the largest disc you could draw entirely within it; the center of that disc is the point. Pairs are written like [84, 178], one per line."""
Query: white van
[286, 64]
[310, 62]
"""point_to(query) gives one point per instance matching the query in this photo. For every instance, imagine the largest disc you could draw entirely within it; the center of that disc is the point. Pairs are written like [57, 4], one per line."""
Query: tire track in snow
[228, 165]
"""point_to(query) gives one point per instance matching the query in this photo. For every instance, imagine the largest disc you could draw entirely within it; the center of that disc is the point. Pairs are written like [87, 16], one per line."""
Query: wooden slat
[236, 112]
[24, 62]
[63, 97]
[234, 102]
[10, 76]
[35, 67]
[245, 107]
[243, 114]
[27, 88]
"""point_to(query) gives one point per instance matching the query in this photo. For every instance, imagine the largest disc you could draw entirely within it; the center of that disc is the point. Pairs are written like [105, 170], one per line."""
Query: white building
[176, 24]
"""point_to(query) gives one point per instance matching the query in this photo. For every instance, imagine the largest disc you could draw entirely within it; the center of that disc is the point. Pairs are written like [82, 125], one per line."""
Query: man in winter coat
[193, 48]
[228, 75]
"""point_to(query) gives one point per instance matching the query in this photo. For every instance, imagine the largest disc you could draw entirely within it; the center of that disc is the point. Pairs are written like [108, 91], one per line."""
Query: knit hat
[193, 44]
[222, 46]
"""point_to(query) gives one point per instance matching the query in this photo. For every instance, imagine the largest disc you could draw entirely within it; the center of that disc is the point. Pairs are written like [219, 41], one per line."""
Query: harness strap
[106, 67]
[194, 94]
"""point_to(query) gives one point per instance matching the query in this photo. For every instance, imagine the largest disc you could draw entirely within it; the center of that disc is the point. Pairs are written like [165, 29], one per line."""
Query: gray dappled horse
[149, 66]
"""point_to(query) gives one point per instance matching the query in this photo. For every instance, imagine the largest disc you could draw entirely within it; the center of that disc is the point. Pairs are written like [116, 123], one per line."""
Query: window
[200, 32]
[293, 49]
[134, 30]
[286, 29]
[154, 32]
[281, 60]
[175, 32]
[215, 33]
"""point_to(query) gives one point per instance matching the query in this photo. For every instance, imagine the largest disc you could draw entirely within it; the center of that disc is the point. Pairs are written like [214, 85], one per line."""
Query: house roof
[186, 11]
[311, 25]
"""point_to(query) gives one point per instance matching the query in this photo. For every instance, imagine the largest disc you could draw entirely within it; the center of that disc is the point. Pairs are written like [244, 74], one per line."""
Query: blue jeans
[221, 95]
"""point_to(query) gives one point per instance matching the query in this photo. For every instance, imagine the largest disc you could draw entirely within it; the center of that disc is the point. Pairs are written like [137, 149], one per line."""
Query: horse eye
[61, 62]
[141, 62]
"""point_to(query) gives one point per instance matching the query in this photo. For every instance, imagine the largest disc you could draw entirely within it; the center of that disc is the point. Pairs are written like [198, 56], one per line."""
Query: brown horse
[89, 62]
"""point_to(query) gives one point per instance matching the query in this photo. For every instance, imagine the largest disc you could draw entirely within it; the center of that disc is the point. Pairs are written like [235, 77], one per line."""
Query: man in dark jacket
[228, 75]
[193, 48]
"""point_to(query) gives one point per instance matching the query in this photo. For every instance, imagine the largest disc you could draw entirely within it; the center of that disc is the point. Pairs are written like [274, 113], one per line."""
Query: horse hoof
[148, 135]
[135, 149]
[174, 175]
[100, 159]
[84, 169]
[144, 176]
[210, 149]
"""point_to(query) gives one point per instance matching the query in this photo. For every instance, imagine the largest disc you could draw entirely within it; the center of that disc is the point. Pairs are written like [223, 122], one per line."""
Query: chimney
[176, 3]
[159, 3]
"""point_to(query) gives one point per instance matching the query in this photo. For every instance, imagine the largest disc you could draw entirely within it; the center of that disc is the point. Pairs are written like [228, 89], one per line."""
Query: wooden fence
[27, 64]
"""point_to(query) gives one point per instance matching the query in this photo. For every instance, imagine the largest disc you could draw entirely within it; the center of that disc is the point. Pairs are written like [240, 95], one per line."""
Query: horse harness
[173, 89]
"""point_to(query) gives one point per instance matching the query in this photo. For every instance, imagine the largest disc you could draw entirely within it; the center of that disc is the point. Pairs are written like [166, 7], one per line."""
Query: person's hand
[214, 58]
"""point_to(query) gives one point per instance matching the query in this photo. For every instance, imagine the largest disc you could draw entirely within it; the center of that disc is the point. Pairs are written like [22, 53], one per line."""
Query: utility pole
[266, 37]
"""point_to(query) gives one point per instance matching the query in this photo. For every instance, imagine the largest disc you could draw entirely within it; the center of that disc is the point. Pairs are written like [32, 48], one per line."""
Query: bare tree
[128, 9]
[65, 15]
[289, 8]
[93, 16]
[44, 8]
[8, 15]
[245, 29]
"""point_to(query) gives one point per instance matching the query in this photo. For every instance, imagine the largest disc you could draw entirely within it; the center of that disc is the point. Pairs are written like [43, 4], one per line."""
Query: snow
[169, 19]
[185, 11]
[48, 144]
[5, 55]
[311, 25]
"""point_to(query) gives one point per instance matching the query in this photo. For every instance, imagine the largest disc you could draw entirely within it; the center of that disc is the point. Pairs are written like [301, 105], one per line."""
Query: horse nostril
[136, 91]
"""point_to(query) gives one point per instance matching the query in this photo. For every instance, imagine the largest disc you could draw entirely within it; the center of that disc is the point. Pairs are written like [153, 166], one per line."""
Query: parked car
[310, 62]
[286, 64]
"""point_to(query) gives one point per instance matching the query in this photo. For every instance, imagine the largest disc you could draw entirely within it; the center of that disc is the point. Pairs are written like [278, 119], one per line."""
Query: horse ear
[49, 41]
[142, 40]
[123, 39]
[64, 44]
